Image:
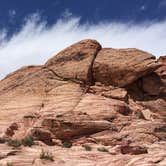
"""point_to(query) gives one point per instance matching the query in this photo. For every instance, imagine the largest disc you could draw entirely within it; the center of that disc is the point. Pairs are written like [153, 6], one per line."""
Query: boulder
[42, 135]
[75, 62]
[133, 150]
[121, 67]
[90, 115]
[147, 114]
[109, 91]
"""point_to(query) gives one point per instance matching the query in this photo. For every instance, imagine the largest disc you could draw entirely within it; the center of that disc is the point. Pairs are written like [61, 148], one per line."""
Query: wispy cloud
[2, 37]
[36, 42]
[12, 13]
[143, 7]
[162, 3]
[66, 13]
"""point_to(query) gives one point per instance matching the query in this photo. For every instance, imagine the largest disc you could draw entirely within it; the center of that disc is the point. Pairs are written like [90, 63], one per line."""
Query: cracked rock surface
[110, 101]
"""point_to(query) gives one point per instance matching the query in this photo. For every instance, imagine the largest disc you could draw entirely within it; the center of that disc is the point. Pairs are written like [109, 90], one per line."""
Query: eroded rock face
[157, 106]
[113, 100]
[162, 73]
[152, 84]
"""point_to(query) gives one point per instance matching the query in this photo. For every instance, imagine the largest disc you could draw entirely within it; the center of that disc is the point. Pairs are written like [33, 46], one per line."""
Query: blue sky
[31, 31]
[13, 13]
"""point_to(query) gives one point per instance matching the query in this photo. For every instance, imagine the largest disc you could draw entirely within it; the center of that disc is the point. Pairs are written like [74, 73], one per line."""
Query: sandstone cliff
[108, 104]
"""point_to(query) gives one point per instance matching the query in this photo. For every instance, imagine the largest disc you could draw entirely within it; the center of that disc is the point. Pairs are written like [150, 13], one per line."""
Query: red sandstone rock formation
[111, 99]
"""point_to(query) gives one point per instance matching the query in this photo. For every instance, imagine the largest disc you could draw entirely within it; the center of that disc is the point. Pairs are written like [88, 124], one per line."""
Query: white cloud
[66, 13]
[143, 7]
[12, 12]
[36, 42]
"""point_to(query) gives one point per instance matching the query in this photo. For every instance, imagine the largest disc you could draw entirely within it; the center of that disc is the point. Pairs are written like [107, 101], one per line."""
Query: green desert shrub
[14, 143]
[87, 147]
[46, 155]
[2, 140]
[102, 149]
[67, 144]
[28, 141]
[164, 119]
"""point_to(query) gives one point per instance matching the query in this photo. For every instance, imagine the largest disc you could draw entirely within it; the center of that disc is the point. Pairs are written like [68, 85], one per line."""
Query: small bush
[45, 155]
[59, 115]
[28, 141]
[102, 149]
[15, 143]
[29, 116]
[2, 140]
[164, 119]
[67, 144]
[87, 147]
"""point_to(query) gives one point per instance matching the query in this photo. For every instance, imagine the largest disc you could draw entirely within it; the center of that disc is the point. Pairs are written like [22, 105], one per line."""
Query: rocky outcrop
[112, 100]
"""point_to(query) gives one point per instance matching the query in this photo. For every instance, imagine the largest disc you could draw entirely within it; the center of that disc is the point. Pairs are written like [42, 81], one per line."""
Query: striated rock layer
[109, 104]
